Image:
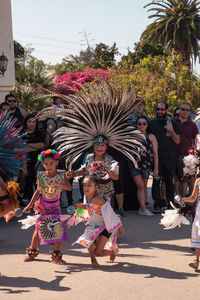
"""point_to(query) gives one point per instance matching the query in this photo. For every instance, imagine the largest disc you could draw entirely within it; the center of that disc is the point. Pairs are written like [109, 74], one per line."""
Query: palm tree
[177, 27]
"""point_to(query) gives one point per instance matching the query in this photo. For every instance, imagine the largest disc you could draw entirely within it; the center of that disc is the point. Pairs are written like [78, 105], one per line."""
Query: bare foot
[112, 258]
[95, 263]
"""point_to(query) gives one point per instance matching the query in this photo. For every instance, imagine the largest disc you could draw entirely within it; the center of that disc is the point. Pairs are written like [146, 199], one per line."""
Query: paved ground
[152, 264]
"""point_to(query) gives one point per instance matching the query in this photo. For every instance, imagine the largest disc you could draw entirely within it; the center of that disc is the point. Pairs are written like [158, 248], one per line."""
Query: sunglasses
[12, 101]
[185, 109]
[161, 109]
[142, 123]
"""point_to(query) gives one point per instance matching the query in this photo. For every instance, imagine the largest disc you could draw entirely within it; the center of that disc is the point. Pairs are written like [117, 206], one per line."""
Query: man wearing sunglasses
[188, 132]
[168, 135]
[132, 119]
[15, 111]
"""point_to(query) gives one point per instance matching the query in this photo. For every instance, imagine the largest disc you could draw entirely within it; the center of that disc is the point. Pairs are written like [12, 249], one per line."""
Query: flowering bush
[63, 83]
[161, 78]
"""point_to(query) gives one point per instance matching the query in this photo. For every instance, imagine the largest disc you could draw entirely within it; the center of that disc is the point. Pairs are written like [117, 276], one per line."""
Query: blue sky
[55, 28]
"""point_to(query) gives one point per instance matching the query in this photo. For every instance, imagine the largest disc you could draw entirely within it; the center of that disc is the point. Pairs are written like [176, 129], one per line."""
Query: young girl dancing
[195, 240]
[103, 223]
[49, 228]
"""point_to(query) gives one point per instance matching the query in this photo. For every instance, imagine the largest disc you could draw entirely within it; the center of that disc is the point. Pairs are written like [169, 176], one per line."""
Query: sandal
[31, 254]
[56, 258]
[194, 264]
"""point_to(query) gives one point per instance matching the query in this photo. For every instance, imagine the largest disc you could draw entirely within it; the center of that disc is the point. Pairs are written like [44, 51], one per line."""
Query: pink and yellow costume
[100, 218]
[50, 228]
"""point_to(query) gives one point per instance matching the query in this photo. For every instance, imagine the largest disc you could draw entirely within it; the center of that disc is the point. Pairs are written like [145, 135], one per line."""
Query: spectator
[176, 112]
[119, 184]
[138, 112]
[36, 141]
[168, 135]
[57, 102]
[188, 132]
[50, 126]
[15, 111]
[148, 161]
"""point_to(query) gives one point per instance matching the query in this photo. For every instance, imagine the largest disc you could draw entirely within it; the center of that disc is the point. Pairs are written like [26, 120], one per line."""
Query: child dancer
[195, 240]
[49, 229]
[103, 223]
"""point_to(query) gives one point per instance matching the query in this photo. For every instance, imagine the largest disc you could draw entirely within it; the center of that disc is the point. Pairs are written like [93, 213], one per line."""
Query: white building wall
[6, 45]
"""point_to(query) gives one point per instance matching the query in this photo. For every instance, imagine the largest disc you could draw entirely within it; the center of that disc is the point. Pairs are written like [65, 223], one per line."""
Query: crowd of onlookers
[173, 135]
[167, 140]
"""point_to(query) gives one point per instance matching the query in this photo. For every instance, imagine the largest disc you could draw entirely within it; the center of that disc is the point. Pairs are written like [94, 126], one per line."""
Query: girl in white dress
[102, 225]
[195, 239]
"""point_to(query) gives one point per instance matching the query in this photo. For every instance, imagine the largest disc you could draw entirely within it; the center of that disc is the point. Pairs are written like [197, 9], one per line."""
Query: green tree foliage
[142, 49]
[19, 51]
[161, 78]
[69, 64]
[102, 57]
[31, 75]
[176, 26]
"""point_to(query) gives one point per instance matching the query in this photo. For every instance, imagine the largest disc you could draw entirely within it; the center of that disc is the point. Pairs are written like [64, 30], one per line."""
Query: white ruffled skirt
[195, 239]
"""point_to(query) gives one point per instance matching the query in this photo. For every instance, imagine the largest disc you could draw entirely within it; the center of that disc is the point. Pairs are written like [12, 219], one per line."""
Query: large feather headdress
[100, 110]
[13, 150]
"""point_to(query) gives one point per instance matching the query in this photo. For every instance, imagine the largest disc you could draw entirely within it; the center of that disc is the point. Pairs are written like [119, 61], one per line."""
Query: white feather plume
[172, 218]
[190, 161]
[29, 221]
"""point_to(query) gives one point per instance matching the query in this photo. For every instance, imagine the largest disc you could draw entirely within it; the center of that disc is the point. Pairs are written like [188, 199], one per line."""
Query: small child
[49, 229]
[195, 240]
[103, 224]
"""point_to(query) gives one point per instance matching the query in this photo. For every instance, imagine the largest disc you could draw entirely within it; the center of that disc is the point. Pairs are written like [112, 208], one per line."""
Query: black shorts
[105, 233]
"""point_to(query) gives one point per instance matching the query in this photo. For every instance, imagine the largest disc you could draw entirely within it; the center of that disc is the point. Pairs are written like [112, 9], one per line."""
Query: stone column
[7, 47]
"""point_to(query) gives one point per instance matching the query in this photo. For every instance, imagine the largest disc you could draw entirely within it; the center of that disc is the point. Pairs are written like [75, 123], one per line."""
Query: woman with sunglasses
[147, 161]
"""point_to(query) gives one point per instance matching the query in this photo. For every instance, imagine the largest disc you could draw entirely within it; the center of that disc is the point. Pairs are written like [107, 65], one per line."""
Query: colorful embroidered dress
[100, 218]
[106, 188]
[195, 240]
[49, 226]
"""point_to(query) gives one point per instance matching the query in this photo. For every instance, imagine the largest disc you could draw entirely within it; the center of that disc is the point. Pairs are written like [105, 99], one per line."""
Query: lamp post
[3, 64]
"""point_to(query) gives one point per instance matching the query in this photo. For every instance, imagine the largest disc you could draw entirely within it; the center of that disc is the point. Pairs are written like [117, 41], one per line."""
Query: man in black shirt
[168, 135]
[15, 111]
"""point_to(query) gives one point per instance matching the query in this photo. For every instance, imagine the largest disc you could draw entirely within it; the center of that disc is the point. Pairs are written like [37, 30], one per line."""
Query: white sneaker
[145, 212]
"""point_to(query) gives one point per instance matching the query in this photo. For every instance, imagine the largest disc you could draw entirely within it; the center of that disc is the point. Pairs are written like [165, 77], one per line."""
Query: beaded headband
[100, 139]
[43, 154]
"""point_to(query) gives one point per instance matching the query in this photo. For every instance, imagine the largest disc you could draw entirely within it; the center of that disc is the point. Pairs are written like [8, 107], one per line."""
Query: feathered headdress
[93, 112]
[13, 150]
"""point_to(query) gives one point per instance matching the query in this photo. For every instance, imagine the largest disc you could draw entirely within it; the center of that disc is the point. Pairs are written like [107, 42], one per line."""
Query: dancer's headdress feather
[13, 150]
[98, 111]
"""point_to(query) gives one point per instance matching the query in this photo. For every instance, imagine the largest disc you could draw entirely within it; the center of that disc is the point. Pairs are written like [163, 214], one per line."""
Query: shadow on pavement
[10, 291]
[30, 282]
[130, 268]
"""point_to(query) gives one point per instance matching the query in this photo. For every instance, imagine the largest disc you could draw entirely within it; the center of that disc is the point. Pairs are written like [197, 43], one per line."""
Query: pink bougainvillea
[63, 82]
